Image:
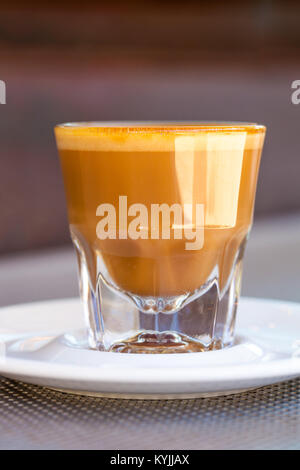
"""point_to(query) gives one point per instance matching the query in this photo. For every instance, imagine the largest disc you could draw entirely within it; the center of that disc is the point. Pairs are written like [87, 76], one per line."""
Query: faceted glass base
[153, 342]
[121, 322]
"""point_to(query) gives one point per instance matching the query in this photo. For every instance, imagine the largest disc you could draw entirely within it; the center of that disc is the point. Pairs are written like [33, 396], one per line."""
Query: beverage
[160, 212]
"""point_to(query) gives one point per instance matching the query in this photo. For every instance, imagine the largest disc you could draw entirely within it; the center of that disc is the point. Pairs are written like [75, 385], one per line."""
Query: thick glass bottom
[122, 322]
[153, 342]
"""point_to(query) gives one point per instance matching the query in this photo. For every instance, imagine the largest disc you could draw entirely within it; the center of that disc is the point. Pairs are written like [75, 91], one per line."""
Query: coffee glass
[159, 216]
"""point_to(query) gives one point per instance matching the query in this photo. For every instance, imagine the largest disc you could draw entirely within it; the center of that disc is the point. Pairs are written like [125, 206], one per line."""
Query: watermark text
[162, 221]
[295, 97]
[2, 92]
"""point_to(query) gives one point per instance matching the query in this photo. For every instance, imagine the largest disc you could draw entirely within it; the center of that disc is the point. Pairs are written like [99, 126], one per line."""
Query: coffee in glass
[159, 216]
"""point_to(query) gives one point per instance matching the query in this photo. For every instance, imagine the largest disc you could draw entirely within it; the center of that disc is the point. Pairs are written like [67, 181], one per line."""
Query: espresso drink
[158, 167]
[123, 178]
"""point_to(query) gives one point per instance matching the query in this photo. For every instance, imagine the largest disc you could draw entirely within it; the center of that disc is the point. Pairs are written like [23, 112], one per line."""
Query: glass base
[204, 322]
[122, 322]
[153, 342]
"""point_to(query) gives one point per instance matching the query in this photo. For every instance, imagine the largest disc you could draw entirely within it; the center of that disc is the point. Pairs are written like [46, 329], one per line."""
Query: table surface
[33, 417]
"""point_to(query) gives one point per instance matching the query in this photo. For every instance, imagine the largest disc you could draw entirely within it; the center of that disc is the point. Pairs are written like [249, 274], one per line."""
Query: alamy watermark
[295, 97]
[2, 92]
[176, 222]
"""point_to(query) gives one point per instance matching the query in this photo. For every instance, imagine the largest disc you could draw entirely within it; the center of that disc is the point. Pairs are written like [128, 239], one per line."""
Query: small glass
[159, 216]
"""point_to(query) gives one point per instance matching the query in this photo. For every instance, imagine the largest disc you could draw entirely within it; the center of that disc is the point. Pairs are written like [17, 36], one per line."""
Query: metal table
[33, 417]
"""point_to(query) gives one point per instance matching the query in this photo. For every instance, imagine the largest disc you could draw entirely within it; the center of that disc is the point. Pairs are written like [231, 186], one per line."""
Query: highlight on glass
[159, 216]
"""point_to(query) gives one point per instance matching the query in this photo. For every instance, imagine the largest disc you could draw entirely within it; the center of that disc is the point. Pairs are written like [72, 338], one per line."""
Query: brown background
[130, 61]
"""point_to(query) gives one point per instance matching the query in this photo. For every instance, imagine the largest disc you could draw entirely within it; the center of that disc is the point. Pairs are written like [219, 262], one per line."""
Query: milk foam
[156, 138]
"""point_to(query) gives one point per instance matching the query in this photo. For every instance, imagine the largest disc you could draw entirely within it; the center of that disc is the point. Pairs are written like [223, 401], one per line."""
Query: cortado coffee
[159, 215]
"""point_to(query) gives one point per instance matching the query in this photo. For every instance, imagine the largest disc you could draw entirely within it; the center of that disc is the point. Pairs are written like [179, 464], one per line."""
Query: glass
[159, 216]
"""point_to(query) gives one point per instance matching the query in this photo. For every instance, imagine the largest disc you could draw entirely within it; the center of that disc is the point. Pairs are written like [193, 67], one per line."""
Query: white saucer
[33, 349]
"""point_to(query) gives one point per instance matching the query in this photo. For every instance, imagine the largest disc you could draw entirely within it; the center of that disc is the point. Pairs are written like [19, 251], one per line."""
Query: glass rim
[164, 126]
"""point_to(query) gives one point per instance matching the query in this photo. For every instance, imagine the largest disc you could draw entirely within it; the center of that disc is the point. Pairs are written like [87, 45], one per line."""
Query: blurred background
[129, 60]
